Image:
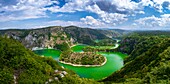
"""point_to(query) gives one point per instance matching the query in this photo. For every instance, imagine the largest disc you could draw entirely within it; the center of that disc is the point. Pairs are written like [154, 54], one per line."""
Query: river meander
[114, 63]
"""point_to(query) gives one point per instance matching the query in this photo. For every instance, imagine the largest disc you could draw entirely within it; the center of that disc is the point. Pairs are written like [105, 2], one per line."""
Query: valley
[114, 62]
[85, 55]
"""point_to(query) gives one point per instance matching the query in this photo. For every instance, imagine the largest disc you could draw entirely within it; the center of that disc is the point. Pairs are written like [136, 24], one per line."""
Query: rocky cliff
[50, 36]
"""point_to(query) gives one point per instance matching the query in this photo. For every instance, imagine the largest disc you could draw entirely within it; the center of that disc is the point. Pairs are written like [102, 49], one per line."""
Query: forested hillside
[20, 65]
[49, 37]
[148, 60]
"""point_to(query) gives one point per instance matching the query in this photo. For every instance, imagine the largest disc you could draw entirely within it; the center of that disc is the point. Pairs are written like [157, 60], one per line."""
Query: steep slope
[50, 36]
[19, 65]
[147, 62]
[46, 37]
[115, 33]
[84, 35]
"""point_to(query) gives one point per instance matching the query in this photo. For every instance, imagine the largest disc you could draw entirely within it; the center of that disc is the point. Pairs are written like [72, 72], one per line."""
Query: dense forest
[148, 60]
[85, 58]
[20, 65]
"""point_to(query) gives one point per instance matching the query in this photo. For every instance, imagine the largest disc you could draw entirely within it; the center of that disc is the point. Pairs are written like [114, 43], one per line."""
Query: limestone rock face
[50, 36]
[43, 38]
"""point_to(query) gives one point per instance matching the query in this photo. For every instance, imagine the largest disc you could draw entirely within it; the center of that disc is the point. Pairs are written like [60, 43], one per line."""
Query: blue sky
[117, 14]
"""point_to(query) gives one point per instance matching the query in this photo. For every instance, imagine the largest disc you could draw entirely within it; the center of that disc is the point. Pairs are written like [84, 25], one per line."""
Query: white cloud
[29, 9]
[71, 6]
[107, 18]
[158, 4]
[15, 17]
[125, 4]
[25, 9]
[145, 3]
[168, 7]
[4, 28]
[46, 24]
[153, 21]
[114, 18]
[89, 20]
[160, 1]
[64, 23]
[94, 8]
[81, 5]
[60, 15]
[166, 16]
[141, 12]
[133, 6]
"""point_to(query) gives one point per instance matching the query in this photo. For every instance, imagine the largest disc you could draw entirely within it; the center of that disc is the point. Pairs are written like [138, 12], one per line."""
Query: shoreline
[85, 65]
[116, 46]
[39, 48]
[73, 45]
[76, 45]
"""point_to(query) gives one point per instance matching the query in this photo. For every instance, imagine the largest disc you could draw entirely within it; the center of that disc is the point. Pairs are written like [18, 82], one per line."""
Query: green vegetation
[87, 35]
[105, 45]
[63, 47]
[105, 42]
[49, 36]
[148, 60]
[87, 58]
[98, 49]
[20, 65]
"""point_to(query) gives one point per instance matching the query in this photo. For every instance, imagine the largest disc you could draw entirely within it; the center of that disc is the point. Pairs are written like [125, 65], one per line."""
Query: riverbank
[114, 62]
[39, 48]
[116, 46]
[76, 45]
[77, 65]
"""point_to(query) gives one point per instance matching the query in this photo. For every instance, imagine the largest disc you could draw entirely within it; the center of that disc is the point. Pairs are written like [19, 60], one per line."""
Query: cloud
[106, 14]
[153, 21]
[107, 6]
[71, 6]
[113, 18]
[125, 4]
[64, 23]
[134, 7]
[13, 17]
[107, 18]
[109, 13]
[141, 12]
[44, 24]
[89, 20]
[144, 3]
[166, 16]
[25, 9]
[158, 4]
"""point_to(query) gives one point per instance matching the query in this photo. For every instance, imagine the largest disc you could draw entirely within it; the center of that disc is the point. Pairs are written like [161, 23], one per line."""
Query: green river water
[114, 63]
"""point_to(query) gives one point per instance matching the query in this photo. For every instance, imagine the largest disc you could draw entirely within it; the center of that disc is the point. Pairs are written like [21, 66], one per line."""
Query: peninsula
[87, 59]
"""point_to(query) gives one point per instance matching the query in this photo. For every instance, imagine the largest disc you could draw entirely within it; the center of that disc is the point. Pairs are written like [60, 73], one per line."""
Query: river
[114, 63]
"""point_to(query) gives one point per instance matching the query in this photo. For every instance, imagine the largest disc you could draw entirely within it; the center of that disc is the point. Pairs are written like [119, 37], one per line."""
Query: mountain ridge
[50, 36]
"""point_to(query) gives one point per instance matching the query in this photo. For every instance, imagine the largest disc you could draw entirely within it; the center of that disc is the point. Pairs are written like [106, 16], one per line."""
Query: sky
[116, 14]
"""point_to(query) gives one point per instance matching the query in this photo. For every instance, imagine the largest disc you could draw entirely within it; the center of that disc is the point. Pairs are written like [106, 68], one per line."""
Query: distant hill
[50, 36]
[115, 33]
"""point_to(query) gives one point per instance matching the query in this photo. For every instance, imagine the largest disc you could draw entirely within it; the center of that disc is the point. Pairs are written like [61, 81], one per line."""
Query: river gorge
[114, 62]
